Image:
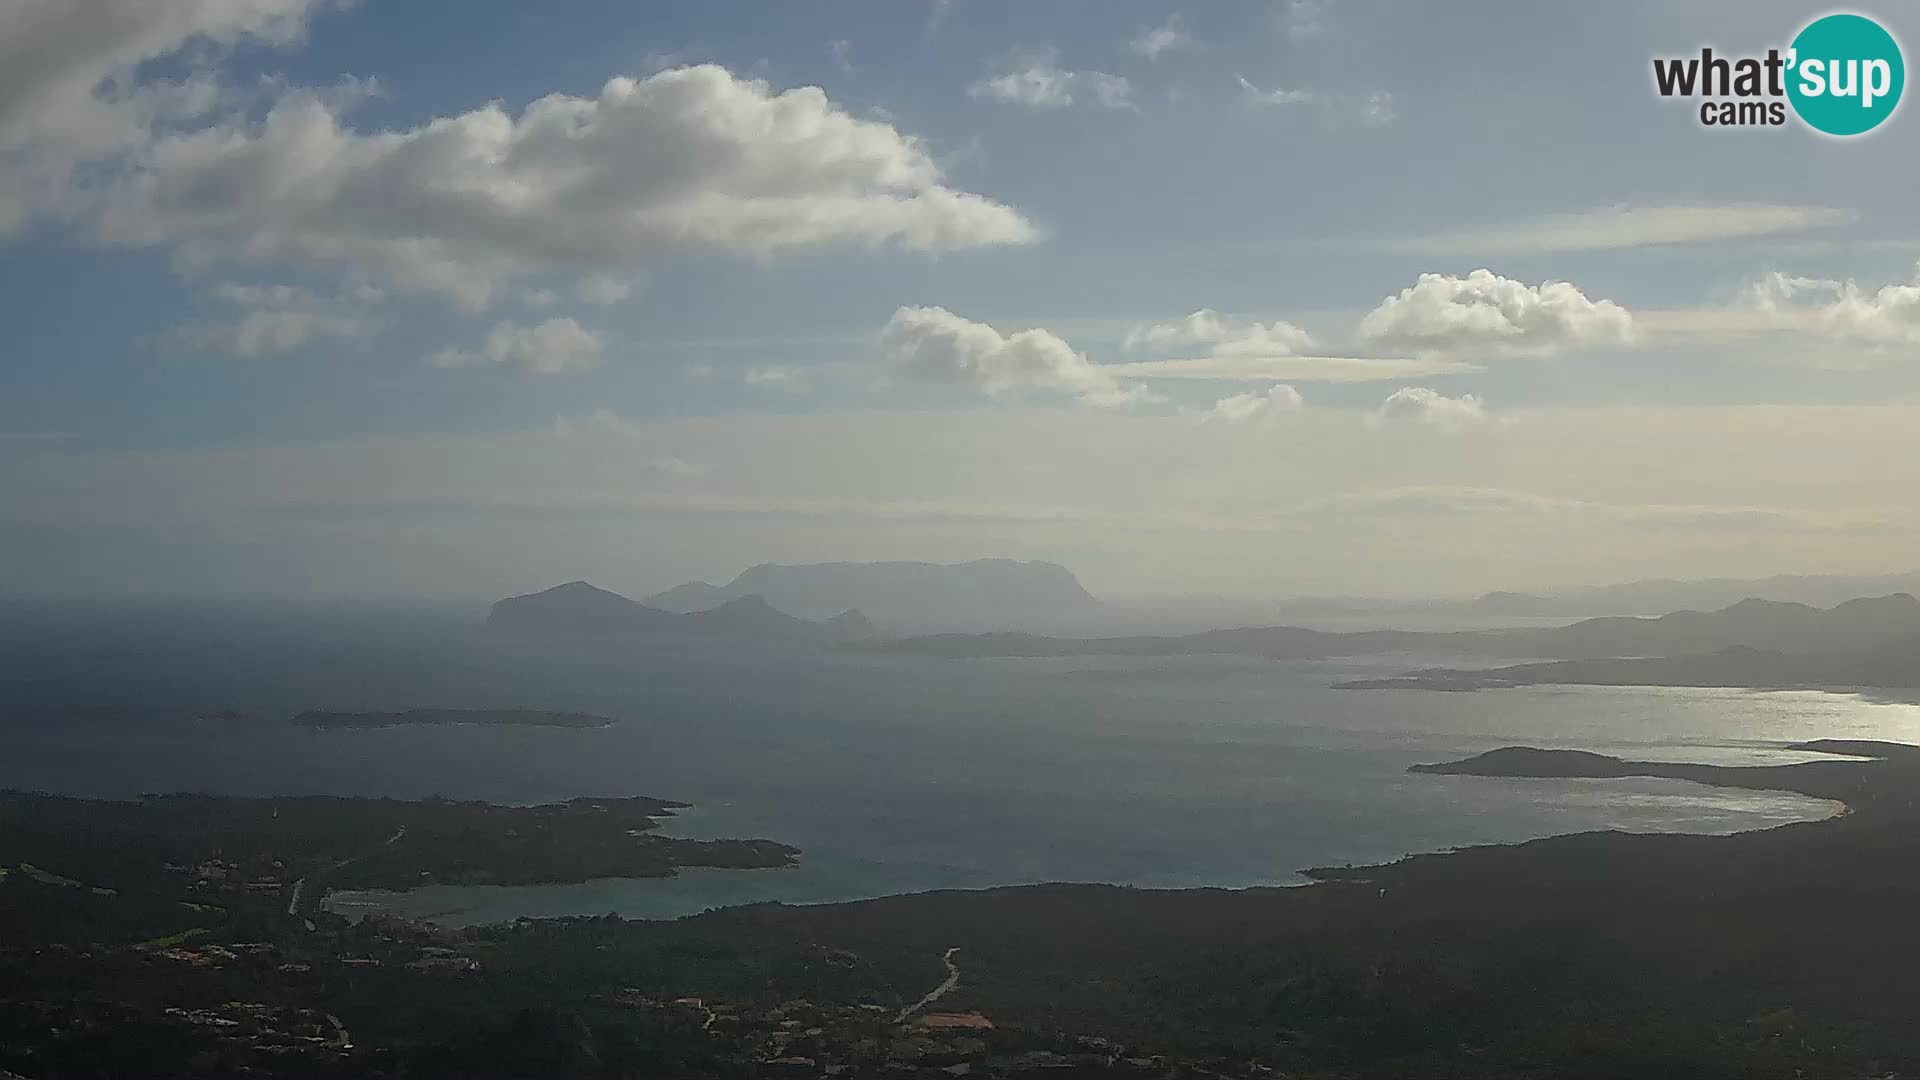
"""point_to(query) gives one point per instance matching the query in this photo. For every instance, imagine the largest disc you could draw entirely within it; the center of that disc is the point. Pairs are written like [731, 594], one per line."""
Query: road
[952, 980]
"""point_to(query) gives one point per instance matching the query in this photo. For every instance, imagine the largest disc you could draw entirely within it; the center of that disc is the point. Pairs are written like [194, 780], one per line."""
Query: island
[337, 721]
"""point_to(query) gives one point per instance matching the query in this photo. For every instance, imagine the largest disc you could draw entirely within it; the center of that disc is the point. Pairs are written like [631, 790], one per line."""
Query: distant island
[1868, 642]
[578, 609]
[507, 717]
[997, 593]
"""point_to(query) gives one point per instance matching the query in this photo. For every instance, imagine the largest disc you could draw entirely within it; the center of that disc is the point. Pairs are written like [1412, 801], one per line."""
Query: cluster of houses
[801, 1039]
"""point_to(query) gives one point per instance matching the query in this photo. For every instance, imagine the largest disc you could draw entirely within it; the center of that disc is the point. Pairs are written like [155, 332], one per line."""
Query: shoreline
[1305, 877]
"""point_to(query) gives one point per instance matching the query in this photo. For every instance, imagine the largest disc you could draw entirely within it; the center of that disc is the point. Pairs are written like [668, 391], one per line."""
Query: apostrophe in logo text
[1841, 75]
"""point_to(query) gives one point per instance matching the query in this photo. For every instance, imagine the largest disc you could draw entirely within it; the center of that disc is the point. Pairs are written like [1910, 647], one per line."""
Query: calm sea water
[891, 774]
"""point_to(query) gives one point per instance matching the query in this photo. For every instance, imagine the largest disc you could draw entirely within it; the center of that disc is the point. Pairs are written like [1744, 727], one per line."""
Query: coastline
[631, 893]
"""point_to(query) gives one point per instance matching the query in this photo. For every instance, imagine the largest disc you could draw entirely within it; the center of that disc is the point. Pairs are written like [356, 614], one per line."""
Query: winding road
[952, 980]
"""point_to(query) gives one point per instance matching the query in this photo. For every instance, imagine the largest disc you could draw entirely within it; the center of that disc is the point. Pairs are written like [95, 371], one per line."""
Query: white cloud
[1203, 327]
[1839, 311]
[1227, 336]
[1252, 351]
[1278, 401]
[550, 348]
[776, 377]
[281, 318]
[1484, 313]
[1156, 41]
[1617, 227]
[935, 345]
[1038, 83]
[1421, 405]
[688, 159]
[68, 88]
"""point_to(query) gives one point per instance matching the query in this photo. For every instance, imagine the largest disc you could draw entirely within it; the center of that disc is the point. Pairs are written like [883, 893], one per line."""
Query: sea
[891, 773]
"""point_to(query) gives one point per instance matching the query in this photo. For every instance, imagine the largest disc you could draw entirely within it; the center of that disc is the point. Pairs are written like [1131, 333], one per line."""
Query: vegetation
[1782, 953]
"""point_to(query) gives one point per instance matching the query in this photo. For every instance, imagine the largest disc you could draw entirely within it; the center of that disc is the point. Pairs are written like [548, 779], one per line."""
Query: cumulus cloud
[1225, 335]
[1841, 311]
[1277, 401]
[279, 318]
[550, 348]
[1156, 41]
[688, 159]
[1039, 83]
[1486, 314]
[68, 88]
[1428, 407]
[933, 344]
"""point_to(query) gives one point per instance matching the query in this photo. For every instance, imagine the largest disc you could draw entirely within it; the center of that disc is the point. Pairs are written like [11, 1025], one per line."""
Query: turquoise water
[900, 774]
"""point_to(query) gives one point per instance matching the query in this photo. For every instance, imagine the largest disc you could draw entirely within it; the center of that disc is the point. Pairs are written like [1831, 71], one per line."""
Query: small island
[355, 721]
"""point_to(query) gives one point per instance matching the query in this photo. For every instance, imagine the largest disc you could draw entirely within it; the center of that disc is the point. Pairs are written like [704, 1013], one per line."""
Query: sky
[1259, 299]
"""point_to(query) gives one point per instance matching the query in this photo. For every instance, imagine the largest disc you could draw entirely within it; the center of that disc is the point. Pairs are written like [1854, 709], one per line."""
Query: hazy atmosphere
[919, 539]
[1258, 299]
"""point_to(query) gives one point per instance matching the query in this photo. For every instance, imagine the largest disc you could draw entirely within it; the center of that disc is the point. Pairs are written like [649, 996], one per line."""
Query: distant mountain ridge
[988, 592]
[1750, 624]
[580, 608]
[1891, 664]
[1670, 594]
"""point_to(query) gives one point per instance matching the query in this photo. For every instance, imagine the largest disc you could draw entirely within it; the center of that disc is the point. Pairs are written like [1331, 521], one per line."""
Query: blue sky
[303, 294]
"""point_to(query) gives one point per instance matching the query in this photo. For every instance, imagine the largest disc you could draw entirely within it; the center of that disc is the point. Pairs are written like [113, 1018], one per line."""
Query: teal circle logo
[1845, 74]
